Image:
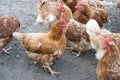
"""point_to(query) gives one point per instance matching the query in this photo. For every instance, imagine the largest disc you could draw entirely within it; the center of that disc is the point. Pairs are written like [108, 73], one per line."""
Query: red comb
[63, 20]
[61, 4]
[106, 41]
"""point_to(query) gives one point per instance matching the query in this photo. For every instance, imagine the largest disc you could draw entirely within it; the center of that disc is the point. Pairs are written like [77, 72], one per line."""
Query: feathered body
[108, 67]
[44, 46]
[71, 4]
[107, 45]
[76, 34]
[94, 30]
[47, 12]
[86, 12]
[77, 37]
[8, 25]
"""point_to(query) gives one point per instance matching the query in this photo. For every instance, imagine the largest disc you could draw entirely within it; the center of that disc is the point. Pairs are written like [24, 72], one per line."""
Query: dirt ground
[17, 66]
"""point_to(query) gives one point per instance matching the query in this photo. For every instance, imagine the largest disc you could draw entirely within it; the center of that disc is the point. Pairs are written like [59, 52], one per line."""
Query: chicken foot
[50, 70]
[77, 54]
[6, 50]
[70, 48]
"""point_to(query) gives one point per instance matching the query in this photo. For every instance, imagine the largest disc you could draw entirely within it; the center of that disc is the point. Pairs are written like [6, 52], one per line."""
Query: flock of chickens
[79, 24]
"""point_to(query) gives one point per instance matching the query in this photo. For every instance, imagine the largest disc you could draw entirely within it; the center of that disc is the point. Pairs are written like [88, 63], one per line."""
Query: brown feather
[108, 67]
[8, 25]
[51, 42]
[100, 15]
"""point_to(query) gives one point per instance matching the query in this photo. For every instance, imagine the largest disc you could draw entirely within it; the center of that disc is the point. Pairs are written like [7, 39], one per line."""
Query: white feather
[92, 27]
[39, 20]
[100, 54]
[16, 34]
[51, 18]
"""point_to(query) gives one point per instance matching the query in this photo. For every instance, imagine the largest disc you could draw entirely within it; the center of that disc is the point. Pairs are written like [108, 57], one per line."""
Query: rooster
[47, 12]
[107, 45]
[77, 37]
[8, 25]
[44, 47]
[85, 12]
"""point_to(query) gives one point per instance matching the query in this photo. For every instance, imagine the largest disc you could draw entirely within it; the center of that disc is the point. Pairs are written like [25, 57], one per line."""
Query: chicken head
[79, 6]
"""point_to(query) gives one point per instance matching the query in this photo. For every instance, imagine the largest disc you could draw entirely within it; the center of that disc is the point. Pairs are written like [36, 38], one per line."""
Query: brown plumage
[107, 46]
[71, 4]
[66, 14]
[108, 67]
[47, 12]
[8, 25]
[76, 34]
[88, 12]
[77, 37]
[45, 47]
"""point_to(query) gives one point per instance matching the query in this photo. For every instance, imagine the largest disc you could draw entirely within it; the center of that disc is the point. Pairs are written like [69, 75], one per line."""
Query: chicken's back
[41, 43]
[8, 25]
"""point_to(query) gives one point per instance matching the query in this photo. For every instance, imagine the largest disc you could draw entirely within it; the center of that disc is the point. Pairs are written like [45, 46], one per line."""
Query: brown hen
[8, 25]
[107, 45]
[85, 12]
[77, 37]
[45, 47]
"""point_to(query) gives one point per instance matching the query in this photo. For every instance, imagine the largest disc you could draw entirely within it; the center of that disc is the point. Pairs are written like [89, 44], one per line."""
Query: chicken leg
[77, 54]
[50, 70]
[6, 50]
[70, 48]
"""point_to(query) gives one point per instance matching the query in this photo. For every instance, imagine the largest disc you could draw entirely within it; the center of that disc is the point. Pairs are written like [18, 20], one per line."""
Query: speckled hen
[8, 25]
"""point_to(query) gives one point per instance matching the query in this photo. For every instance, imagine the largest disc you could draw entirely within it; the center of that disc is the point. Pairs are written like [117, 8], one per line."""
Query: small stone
[18, 56]
[1, 62]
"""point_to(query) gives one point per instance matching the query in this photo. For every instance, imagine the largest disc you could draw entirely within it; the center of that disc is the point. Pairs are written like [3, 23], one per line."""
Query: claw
[50, 70]
[76, 54]
[70, 48]
[6, 50]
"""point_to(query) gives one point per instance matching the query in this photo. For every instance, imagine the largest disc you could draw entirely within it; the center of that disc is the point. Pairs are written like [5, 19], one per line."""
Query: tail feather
[16, 34]
[92, 27]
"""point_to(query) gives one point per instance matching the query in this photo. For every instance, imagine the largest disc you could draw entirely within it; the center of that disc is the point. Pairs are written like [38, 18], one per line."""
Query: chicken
[44, 47]
[47, 12]
[94, 30]
[107, 45]
[85, 12]
[8, 24]
[72, 3]
[77, 37]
